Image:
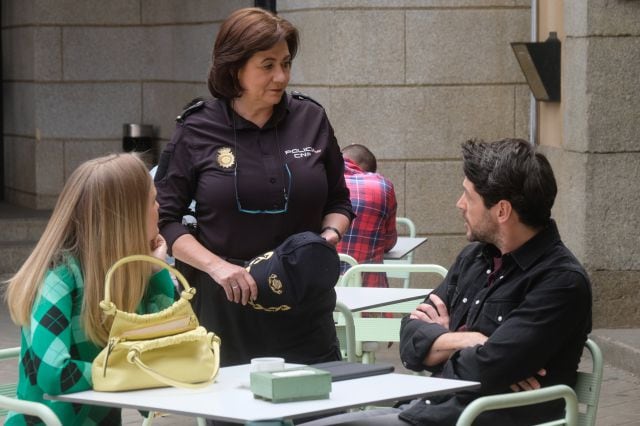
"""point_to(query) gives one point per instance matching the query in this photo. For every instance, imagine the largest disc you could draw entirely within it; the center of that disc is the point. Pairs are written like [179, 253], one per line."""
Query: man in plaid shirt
[373, 231]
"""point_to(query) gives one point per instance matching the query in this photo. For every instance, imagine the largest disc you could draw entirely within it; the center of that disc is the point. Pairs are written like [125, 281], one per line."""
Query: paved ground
[619, 399]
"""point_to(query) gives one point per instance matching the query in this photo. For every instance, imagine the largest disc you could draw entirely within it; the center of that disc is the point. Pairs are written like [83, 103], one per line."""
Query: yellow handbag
[167, 348]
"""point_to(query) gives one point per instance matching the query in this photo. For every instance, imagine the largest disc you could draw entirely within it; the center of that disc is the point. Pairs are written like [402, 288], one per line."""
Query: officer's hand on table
[237, 283]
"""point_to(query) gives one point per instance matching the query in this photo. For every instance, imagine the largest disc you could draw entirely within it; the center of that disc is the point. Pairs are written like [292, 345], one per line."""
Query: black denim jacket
[537, 314]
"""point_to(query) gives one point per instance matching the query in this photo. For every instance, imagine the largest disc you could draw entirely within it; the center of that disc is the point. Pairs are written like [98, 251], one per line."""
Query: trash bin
[139, 138]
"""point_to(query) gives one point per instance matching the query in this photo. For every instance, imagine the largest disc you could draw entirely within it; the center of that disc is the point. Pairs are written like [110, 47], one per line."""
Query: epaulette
[189, 109]
[304, 97]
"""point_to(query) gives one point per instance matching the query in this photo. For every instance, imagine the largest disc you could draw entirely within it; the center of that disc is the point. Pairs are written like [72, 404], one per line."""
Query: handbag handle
[109, 307]
[135, 357]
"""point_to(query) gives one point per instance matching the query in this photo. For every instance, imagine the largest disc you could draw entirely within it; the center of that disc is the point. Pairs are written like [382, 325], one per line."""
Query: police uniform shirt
[225, 162]
[214, 152]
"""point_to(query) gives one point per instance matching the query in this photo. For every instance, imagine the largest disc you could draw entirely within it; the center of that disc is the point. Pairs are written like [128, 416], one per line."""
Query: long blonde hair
[100, 217]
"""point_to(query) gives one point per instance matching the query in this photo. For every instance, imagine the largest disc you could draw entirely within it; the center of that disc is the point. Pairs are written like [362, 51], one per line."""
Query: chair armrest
[31, 408]
[8, 353]
[516, 399]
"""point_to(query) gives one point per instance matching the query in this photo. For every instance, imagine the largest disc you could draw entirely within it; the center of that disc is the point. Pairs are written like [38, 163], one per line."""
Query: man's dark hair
[512, 170]
[245, 32]
[361, 155]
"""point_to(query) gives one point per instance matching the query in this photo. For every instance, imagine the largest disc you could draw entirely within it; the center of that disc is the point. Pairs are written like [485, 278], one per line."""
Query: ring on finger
[234, 286]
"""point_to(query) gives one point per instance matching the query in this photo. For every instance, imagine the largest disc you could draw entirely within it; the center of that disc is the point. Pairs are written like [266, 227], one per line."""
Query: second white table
[358, 299]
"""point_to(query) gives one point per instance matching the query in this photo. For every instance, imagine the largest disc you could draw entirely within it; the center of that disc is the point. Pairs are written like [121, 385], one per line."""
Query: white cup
[267, 364]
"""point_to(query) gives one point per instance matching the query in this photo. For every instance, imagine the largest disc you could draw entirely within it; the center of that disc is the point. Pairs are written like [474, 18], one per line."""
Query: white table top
[355, 299]
[230, 399]
[363, 298]
[404, 246]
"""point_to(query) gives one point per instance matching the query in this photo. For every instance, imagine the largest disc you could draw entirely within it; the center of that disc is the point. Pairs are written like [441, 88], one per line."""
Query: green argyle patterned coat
[56, 355]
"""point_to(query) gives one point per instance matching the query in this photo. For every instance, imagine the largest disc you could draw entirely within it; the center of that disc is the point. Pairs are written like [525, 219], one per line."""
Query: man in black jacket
[515, 308]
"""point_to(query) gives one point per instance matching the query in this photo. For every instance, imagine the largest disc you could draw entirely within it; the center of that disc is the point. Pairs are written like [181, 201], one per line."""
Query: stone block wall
[75, 71]
[413, 80]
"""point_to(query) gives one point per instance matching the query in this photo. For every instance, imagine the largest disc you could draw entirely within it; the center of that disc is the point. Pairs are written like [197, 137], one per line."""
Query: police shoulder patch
[193, 106]
[304, 97]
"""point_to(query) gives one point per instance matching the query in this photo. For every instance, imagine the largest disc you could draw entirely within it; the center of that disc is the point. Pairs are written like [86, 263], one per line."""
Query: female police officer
[261, 165]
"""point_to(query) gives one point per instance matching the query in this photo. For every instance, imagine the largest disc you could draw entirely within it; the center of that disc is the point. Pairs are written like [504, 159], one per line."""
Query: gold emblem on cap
[225, 158]
[275, 284]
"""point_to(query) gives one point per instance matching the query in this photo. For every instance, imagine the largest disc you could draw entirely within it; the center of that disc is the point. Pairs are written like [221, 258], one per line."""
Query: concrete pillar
[598, 164]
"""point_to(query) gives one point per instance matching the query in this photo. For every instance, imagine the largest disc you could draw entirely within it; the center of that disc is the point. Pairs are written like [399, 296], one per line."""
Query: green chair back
[586, 393]
[368, 330]
[517, 399]
[408, 259]
[588, 386]
[339, 319]
[349, 260]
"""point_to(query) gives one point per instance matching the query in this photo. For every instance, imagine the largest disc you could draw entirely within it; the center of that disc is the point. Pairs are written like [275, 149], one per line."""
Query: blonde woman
[107, 210]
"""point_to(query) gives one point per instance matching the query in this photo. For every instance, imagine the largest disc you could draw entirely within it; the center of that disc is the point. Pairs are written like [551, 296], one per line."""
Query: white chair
[369, 331]
[408, 259]
[30, 408]
[8, 388]
[9, 402]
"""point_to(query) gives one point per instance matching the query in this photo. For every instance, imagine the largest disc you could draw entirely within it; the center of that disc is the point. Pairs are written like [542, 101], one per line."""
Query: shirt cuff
[171, 232]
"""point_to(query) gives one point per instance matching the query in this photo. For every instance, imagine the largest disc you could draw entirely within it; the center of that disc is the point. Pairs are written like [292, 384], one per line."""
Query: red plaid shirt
[373, 231]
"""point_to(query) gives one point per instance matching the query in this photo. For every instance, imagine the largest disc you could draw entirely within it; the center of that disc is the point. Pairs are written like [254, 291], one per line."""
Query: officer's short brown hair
[245, 32]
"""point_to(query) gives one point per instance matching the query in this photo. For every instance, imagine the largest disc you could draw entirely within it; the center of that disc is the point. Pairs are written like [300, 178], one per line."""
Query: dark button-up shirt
[536, 313]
